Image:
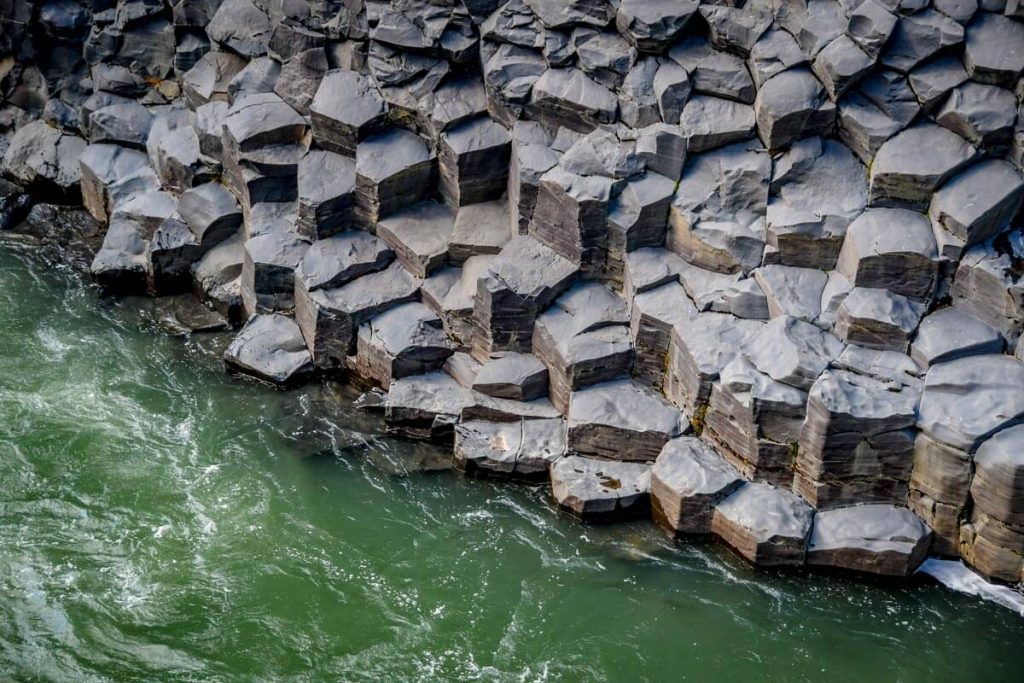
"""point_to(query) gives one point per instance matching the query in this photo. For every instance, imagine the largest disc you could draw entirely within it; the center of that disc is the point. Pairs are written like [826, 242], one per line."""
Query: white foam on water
[956, 576]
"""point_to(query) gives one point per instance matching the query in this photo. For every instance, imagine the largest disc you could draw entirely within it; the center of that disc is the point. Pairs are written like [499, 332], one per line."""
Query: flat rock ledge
[754, 272]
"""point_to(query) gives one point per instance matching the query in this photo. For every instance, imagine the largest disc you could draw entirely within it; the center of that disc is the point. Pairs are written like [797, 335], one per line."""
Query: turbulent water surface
[161, 520]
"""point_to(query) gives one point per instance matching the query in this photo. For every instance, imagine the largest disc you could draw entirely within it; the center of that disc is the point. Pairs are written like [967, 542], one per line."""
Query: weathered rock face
[564, 233]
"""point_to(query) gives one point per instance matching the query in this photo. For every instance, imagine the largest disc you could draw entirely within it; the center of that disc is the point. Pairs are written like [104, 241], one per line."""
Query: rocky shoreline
[751, 269]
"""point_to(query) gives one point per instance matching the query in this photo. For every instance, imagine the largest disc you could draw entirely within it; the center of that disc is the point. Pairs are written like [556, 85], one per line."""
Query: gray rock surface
[767, 526]
[874, 539]
[271, 348]
[601, 490]
[687, 481]
[521, 450]
[621, 420]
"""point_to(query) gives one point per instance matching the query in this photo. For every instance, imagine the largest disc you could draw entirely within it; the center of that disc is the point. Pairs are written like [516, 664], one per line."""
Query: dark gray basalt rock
[336, 260]
[873, 539]
[515, 376]
[987, 287]
[405, 340]
[521, 450]
[393, 170]
[211, 212]
[577, 229]
[621, 420]
[993, 53]
[329, 318]
[419, 236]
[583, 339]
[268, 271]
[601, 490]
[271, 348]
[979, 202]
[479, 229]
[570, 98]
[125, 124]
[767, 526]
[949, 333]
[111, 174]
[346, 109]
[790, 106]
[687, 481]
[43, 157]
[425, 406]
[326, 187]
[892, 249]
[878, 318]
[473, 160]
[913, 164]
[651, 25]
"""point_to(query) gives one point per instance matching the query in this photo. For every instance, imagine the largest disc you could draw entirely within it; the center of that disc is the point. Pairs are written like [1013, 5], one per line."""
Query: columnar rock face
[564, 234]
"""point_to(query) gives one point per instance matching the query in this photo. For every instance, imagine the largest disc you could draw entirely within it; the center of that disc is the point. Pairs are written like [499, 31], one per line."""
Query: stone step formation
[753, 268]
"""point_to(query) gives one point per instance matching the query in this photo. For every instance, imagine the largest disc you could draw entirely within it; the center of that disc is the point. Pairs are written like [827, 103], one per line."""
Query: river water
[162, 520]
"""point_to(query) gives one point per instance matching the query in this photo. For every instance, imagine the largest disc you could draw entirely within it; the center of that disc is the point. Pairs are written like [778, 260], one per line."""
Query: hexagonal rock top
[873, 539]
[601, 490]
[767, 526]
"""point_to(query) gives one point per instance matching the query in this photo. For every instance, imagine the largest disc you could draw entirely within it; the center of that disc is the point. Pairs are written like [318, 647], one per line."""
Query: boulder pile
[755, 268]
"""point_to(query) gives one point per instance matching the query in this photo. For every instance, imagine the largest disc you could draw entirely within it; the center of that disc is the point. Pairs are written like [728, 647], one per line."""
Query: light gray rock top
[529, 268]
[531, 142]
[949, 333]
[270, 347]
[885, 365]
[883, 306]
[281, 248]
[371, 290]
[601, 152]
[880, 231]
[625, 405]
[1000, 460]
[867, 529]
[822, 177]
[598, 489]
[690, 467]
[325, 175]
[909, 166]
[407, 325]
[207, 204]
[792, 351]
[434, 392]
[711, 340]
[348, 97]
[576, 88]
[390, 153]
[994, 52]
[427, 225]
[478, 134]
[863, 398]
[740, 377]
[979, 202]
[967, 399]
[792, 291]
[730, 183]
[340, 258]
[767, 513]
[508, 369]
[584, 308]
[262, 119]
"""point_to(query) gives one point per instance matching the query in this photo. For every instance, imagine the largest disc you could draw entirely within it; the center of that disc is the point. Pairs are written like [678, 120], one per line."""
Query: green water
[160, 520]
